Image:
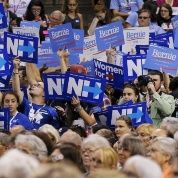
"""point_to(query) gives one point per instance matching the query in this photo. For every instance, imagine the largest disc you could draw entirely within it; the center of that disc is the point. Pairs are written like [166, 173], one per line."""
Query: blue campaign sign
[168, 37]
[110, 35]
[175, 21]
[133, 66]
[89, 65]
[46, 56]
[23, 46]
[112, 73]
[162, 58]
[4, 65]
[54, 84]
[62, 37]
[31, 24]
[176, 39]
[159, 42]
[79, 41]
[4, 119]
[88, 88]
[3, 18]
[137, 112]
[141, 49]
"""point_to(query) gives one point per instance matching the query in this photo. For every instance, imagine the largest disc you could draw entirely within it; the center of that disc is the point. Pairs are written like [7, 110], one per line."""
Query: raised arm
[16, 79]
[64, 58]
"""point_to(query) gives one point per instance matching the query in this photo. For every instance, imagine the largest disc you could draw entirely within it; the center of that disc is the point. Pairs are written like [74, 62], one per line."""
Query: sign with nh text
[4, 119]
[133, 66]
[110, 72]
[89, 89]
[162, 58]
[54, 86]
[79, 41]
[135, 36]
[3, 18]
[61, 37]
[110, 35]
[4, 65]
[31, 24]
[26, 48]
[137, 113]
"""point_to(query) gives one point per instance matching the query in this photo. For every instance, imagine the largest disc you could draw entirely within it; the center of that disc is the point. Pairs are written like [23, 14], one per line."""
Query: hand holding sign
[75, 101]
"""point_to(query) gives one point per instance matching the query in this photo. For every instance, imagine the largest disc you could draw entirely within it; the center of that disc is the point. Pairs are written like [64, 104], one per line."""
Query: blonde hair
[109, 157]
[146, 128]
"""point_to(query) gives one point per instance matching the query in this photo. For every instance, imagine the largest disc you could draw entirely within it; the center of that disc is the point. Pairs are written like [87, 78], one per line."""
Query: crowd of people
[59, 138]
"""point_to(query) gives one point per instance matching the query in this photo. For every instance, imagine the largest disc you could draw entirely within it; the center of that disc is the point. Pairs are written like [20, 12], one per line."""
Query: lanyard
[10, 123]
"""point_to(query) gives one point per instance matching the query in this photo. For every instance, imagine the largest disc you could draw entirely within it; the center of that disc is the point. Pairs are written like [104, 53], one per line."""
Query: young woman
[72, 15]
[35, 12]
[10, 100]
[164, 17]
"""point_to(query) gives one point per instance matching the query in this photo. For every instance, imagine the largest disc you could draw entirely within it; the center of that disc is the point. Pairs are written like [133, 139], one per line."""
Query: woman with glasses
[71, 14]
[36, 12]
[164, 17]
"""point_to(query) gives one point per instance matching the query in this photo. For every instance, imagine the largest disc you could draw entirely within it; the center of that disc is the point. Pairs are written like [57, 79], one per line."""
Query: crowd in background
[64, 139]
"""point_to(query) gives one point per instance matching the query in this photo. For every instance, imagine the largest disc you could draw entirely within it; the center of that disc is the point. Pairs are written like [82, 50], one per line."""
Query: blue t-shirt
[40, 114]
[21, 119]
[126, 5]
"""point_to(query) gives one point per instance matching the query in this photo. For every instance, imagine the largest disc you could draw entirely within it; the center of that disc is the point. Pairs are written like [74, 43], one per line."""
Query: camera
[143, 80]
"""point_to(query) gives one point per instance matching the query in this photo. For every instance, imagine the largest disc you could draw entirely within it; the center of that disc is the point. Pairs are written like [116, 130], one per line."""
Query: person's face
[56, 155]
[157, 81]
[10, 102]
[144, 19]
[121, 128]
[96, 160]
[156, 154]
[36, 10]
[129, 94]
[174, 171]
[100, 2]
[56, 19]
[87, 151]
[144, 136]
[164, 13]
[72, 5]
[37, 89]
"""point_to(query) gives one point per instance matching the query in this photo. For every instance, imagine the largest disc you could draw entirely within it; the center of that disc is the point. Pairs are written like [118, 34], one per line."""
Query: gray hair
[170, 124]
[96, 141]
[16, 164]
[35, 144]
[143, 167]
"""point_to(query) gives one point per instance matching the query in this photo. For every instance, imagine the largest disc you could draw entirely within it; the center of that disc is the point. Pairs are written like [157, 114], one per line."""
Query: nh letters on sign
[4, 119]
[88, 89]
[24, 47]
[54, 86]
[133, 66]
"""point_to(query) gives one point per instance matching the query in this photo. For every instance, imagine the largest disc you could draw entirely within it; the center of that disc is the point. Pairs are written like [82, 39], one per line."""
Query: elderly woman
[141, 167]
[163, 150]
[89, 145]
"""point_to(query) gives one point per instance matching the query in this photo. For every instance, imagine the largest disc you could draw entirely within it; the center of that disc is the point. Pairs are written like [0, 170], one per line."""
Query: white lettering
[106, 33]
[54, 86]
[59, 34]
[163, 55]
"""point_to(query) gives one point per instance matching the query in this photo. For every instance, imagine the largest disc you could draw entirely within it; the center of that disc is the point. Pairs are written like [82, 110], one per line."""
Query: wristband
[78, 108]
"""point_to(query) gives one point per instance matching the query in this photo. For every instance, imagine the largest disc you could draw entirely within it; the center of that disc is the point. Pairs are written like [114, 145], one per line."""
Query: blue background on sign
[112, 40]
[4, 64]
[31, 24]
[64, 41]
[3, 17]
[5, 118]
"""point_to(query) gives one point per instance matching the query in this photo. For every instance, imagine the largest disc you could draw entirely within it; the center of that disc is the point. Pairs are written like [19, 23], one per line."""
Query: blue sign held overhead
[61, 37]
[25, 47]
[162, 58]
[2, 62]
[109, 35]
[137, 115]
[4, 65]
[89, 89]
[3, 19]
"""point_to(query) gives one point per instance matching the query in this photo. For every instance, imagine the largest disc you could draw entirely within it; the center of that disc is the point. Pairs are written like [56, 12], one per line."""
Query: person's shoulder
[79, 15]
[21, 116]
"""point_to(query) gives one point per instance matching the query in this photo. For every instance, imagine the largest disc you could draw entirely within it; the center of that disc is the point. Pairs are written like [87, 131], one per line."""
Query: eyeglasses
[72, 4]
[36, 9]
[142, 17]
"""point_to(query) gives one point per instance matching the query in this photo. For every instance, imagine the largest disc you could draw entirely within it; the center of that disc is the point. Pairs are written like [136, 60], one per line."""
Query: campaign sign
[79, 41]
[26, 48]
[3, 19]
[88, 88]
[46, 56]
[61, 37]
[137, 112]
[31, 24]
[4, 119]
[54, 86]
[159, 42]
[167, 37]
[133, 66]
[135, 36]
[175, 21]
[109, 72]
[162, 58]
[109, 35]
[142, 49]
[4, 65]
[175, 38]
